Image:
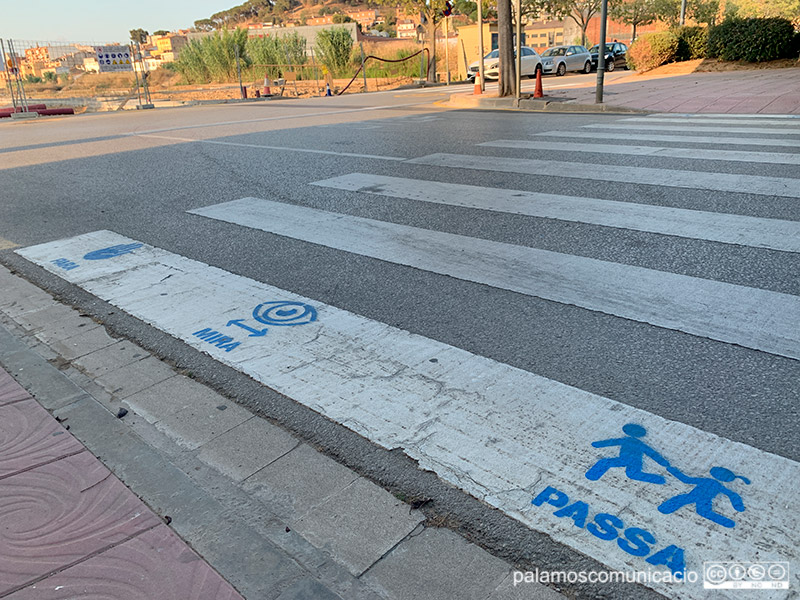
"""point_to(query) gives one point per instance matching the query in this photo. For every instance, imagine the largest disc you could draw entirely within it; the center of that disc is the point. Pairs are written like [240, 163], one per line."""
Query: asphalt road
[138, 174]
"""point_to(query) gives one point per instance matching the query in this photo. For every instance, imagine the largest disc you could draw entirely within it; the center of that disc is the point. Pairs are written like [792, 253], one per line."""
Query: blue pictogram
[112, 251]
[632, 451]
[284, 312]
[702, 496]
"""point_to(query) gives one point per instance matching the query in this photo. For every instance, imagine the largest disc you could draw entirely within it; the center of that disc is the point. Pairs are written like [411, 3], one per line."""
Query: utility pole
[601, 54]
[518, 53]
[683, 12]
[480, 43]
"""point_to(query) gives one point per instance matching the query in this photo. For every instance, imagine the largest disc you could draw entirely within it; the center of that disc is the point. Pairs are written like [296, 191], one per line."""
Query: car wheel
[561, 69]
[611, 65]
[587, 68]
[538, 69]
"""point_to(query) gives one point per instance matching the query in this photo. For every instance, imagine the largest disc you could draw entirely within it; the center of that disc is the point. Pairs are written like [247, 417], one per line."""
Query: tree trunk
[633, 33]
[430, 32]
[505, 42]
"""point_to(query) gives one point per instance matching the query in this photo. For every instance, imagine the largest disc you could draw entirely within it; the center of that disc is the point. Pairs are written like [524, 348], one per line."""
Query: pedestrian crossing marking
[703, 180]
[696, 129]
[717, 120]
[784, 158]
[678, 139]
[711, 226]
[469, 419]
[753, 318]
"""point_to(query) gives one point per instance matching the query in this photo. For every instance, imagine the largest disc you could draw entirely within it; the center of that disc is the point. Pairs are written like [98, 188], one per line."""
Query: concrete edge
[465, 101]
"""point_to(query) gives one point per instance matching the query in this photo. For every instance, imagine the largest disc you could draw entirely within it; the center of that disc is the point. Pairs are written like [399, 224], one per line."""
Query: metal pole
[518, 51]
[601, 54]
[8, 74]
[363, 69]
[136, 74]
[238, 68]
[23, 100]
[447, 50]
[480, 44]
[683, 12]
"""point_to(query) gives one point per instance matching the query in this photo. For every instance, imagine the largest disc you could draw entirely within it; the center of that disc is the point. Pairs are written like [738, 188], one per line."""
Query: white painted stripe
[700, 180]
[752, 318]
[693, 128]
[717, 120]
[279, 148]
[717, 227]
[283, 117]
[680, 139]
[783, 158]
[499, 433]
[762, 116]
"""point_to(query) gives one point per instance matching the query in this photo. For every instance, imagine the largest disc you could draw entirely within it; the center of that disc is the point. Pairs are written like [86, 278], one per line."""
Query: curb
[465, 101]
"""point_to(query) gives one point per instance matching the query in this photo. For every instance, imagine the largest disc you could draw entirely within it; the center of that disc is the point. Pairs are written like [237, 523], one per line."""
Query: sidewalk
[194, 496]
[672, 88]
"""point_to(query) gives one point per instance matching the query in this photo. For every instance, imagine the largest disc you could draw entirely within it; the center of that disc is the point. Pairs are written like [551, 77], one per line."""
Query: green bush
[692, 42]
[213, 58]
[753, 40]
[652, 50]
[334, 48]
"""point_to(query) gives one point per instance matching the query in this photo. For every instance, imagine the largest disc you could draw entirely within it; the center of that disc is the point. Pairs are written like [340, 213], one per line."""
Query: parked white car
[560, 59]
[531, 62]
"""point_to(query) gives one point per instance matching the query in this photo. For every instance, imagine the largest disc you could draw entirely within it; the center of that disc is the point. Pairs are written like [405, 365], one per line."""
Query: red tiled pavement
[766, 91]
[154, 565]
[69, 528]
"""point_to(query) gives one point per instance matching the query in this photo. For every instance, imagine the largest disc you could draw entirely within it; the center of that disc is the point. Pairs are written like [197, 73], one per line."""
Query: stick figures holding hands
[632, 451]
[702, 496]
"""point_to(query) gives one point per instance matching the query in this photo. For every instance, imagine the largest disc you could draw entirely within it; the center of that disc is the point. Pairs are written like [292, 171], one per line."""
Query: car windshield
[492, 54]
[554, 52]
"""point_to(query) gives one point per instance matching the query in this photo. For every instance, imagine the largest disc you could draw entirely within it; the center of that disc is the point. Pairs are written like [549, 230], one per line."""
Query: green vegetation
[753, 40]
[652, 50]
[276, 52]
[334, 49]
[213, 58]
[692, 42]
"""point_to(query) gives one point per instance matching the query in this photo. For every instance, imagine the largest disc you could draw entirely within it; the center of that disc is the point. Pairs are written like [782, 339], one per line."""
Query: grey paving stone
[18, 296]
[170, 396]
[201, 420]
[523, 591]
[308, 589]
[56, 322]
[437, 565]
[358, 524]
[135, 377]
[83, 343]
[246, 448]
[297, 482]
[110, 358]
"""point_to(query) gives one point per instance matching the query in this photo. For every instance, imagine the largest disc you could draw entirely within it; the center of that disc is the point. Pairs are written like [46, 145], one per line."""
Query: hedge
[652, 50]
[692, 42]
[753, 40]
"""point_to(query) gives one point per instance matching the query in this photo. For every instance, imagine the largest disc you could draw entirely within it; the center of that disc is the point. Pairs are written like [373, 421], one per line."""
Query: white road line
[718, 227]
[725, 116]
[280, 148]
[691, 128]
[701, 180]
[717, 120]
[680, 139]
[783, 158]
[283, 117]
[517, 441]
[753, 318]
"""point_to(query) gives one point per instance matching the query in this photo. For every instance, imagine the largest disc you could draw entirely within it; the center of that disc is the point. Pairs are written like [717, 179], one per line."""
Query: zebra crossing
[561, 460]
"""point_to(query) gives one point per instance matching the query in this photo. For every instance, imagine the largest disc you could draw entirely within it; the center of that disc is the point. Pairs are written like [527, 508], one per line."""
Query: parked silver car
[531, 62]
[560, 59]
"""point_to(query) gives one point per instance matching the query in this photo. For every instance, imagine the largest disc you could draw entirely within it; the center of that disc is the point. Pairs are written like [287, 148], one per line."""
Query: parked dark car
[616, 55]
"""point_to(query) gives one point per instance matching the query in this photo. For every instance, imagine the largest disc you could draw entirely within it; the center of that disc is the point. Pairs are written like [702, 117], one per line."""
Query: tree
[505, 44]
[788, 9]
[431, 12]
[204, 25]
[668, 11]
[139, 35]
[580, 11]
[634, 13]
[161, 32]
[704, 11]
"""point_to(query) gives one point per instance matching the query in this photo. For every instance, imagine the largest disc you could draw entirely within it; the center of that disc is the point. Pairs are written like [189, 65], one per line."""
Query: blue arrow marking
[254, 332]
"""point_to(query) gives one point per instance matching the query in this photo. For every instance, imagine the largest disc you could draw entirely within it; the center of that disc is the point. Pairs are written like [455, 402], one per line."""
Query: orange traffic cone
[478, 90]
[266, 86]
[538, 92]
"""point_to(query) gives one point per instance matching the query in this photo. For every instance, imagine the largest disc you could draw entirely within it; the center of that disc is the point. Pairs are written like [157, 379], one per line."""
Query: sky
[100, 21]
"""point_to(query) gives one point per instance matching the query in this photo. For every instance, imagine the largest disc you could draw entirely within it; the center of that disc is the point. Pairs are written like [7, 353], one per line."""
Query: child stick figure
[702, 496]
[631, 456]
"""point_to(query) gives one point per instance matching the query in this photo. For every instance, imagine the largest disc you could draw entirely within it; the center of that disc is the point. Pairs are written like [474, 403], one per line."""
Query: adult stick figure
[702, 496]
[632, 451]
